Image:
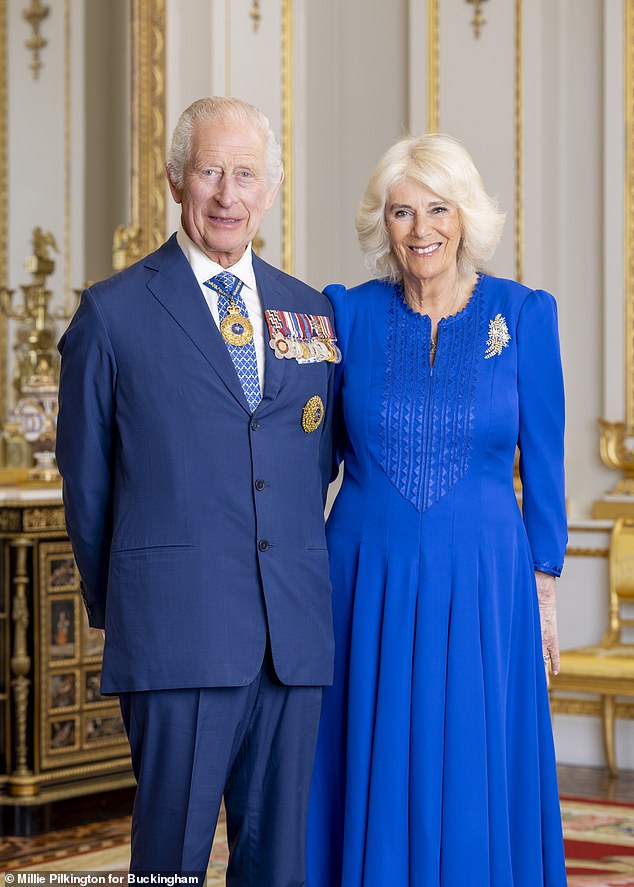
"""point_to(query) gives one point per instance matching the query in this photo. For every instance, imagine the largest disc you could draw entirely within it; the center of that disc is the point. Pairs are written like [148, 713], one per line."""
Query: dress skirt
[435, 764]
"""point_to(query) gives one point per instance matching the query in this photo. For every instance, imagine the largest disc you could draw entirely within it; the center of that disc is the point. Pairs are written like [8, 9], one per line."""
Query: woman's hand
[547, 597]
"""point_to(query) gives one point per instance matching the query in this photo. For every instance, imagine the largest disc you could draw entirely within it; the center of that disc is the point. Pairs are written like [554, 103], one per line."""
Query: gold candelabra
[616, 447]
[617, 451]
[36, 371]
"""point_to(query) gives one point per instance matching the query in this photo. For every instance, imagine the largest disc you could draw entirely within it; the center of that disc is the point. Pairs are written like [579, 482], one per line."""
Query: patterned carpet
[599, 847]
[99, 847]
[599, 839]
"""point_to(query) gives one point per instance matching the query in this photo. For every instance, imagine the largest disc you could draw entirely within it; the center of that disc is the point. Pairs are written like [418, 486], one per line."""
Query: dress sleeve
[337, 295]
[85, 434]
[541, 431]
[326, 439]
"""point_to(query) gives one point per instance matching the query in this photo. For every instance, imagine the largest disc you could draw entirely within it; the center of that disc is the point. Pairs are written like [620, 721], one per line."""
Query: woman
[435, 764]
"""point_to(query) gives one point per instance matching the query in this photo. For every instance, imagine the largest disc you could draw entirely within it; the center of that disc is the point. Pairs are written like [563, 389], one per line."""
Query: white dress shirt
[204, 268]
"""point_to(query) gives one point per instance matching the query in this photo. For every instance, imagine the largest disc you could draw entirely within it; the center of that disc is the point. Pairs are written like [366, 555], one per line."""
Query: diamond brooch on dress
[499, 337]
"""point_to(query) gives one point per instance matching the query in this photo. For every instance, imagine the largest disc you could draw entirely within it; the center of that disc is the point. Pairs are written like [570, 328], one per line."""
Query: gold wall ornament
[148, 205]
[478, 21]
[288, 222]
[519, 142]
[628, 208]
[68, 156]
[127, 246]
[256, 15]
[35, 14]
[616, 441]
[4, 197]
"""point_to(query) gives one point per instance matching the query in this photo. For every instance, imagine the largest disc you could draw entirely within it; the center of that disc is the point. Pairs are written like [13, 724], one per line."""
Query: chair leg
[608, 733]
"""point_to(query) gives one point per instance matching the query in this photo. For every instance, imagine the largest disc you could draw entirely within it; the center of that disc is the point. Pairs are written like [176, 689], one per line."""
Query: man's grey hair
[225, 110]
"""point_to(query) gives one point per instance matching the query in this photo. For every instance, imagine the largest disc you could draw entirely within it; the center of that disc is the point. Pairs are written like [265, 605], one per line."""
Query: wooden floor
[595, 783]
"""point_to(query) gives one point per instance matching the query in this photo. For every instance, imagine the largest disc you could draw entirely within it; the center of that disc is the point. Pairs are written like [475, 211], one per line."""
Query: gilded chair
[606, 668]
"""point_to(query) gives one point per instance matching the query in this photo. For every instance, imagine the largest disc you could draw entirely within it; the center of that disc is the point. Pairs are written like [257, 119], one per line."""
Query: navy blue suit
[197, 526]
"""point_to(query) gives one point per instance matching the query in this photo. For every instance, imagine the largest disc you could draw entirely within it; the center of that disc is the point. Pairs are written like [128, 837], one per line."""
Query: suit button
[255, 424]
[263, 545]
[259, 484]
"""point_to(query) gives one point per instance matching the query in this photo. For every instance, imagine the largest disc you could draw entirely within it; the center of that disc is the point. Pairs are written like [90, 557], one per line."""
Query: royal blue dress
[435, 764]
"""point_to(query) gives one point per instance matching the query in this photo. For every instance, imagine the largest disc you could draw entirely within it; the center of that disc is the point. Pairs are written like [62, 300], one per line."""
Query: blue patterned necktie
[238, 335]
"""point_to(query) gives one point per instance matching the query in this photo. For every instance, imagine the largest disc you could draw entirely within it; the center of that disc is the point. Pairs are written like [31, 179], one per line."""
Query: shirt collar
[204, 267]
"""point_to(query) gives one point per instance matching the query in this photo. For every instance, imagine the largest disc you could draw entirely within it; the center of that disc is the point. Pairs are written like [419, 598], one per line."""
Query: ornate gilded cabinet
[59, 737]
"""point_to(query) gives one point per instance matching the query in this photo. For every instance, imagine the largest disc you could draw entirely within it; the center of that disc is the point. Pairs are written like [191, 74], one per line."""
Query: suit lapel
[273, 294]
[176, 288]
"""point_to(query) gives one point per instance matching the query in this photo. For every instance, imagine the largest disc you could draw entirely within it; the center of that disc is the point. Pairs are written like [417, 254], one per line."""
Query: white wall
[357, 94]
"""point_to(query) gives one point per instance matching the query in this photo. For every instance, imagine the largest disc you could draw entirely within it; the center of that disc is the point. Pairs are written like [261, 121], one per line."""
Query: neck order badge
[235, 325]
[237, 332]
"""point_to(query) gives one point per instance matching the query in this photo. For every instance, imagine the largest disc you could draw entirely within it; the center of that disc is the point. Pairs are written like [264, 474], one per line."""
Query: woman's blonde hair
[442, 164]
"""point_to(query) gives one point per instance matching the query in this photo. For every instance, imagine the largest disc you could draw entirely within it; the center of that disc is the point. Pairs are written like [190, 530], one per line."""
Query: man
[194, 445]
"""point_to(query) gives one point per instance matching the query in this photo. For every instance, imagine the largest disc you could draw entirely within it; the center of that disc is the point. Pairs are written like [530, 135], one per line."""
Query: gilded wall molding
[579, 551]
[68, 29]
[616, 438]
[571, 705]
[4, 199]
[288, 196]
[519, 145]
[148, 211]
[433, 71]
[628, 50]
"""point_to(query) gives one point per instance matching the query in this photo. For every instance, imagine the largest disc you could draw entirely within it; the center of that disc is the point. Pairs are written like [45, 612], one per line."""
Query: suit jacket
[196, 525]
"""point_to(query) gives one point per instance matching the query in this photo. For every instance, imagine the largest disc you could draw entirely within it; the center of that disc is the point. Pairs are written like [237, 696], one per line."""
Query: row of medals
[238, 330]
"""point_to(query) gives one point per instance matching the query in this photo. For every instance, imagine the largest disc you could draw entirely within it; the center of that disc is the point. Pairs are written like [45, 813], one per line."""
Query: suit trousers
[254, 744]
